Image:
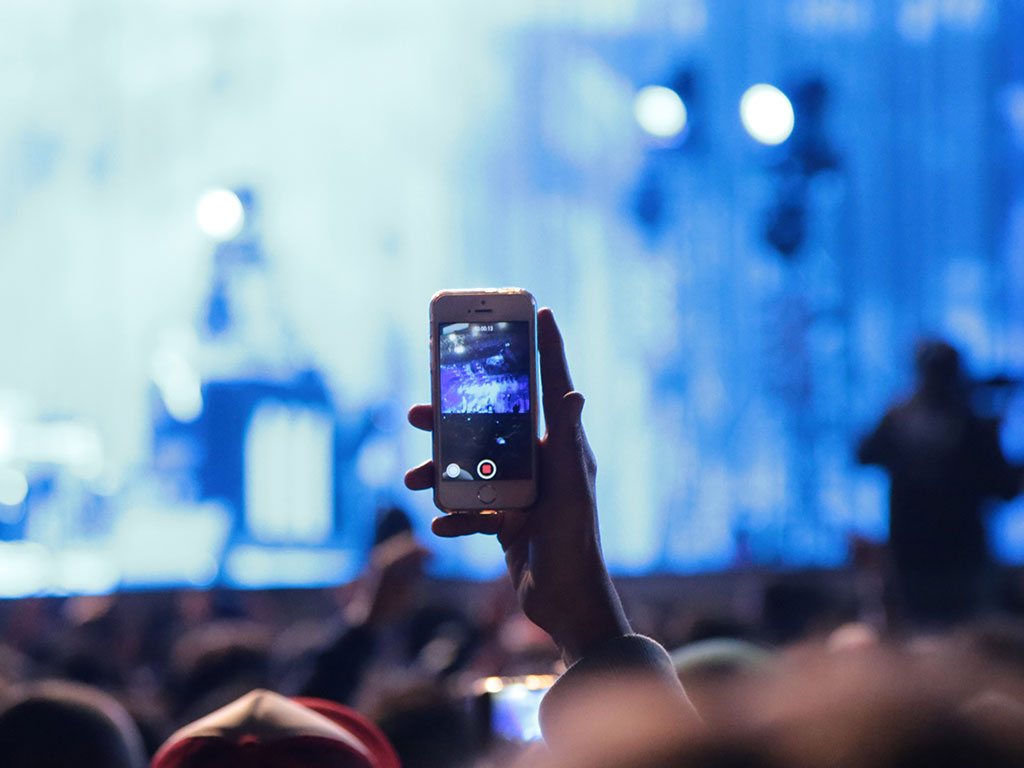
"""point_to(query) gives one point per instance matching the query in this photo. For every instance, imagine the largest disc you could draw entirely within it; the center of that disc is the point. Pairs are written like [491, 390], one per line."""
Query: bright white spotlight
[660, 111]
[220, 214]
[766, 114]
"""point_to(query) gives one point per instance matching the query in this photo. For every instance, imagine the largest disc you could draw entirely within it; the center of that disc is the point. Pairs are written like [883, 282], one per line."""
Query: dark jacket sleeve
[338, 669]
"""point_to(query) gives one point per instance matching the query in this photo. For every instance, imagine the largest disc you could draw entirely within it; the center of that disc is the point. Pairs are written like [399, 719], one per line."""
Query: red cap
[265, 730]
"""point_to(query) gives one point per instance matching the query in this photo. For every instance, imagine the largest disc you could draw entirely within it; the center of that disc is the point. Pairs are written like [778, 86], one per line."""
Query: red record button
[486, 469]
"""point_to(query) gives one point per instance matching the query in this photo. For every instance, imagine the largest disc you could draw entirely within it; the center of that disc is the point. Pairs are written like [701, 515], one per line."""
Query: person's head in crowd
[718, 628]
[939, 373]
[57, 724]
[265, 730]
[429, 729]
[716, 672]
[989, 655]
[853, 636]
[998, 640]
[216, 663]
[99, 645]
[14, 666]
[873, 706]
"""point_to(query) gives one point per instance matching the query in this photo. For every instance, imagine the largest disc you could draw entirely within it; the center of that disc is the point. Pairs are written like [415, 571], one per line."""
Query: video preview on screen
[485, 400]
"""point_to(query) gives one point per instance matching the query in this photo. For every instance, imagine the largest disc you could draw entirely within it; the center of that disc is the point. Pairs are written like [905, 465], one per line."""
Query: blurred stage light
[176, 378]
[660, 111]
[73, 444]
[259, 567]
[6, 441]
[25, 568]
[84, 572]
[220, 214]
[767, 114]
[13, 487]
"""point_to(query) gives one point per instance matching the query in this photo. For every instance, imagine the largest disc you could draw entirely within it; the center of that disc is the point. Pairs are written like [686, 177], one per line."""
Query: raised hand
[552, 549]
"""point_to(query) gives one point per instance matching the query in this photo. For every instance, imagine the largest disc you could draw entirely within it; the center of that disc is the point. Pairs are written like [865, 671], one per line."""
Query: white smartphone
[484, 392]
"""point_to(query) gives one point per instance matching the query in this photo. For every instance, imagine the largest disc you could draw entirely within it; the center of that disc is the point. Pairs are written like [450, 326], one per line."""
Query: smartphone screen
[486, 421]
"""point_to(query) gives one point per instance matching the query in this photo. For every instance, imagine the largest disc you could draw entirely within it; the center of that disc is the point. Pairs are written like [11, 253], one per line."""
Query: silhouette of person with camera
[944, 461]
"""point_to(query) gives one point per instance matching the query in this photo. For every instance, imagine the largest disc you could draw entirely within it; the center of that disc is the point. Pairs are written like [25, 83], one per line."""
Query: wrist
[591, 628]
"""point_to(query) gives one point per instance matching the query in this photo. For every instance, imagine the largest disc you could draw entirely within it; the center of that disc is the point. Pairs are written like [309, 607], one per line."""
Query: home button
[486, 494]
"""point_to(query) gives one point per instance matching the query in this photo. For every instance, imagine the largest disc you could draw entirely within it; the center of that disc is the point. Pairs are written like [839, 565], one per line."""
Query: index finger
[422, 417]
[554, 370]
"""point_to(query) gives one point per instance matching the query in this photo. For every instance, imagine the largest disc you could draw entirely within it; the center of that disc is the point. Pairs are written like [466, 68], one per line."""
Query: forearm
[590, 623]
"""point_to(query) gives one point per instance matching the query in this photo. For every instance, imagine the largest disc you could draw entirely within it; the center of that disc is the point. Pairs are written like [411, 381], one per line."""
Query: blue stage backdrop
[221, 224]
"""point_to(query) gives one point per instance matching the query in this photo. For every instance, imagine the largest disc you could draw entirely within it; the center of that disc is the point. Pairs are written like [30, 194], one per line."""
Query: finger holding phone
[551, 543]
